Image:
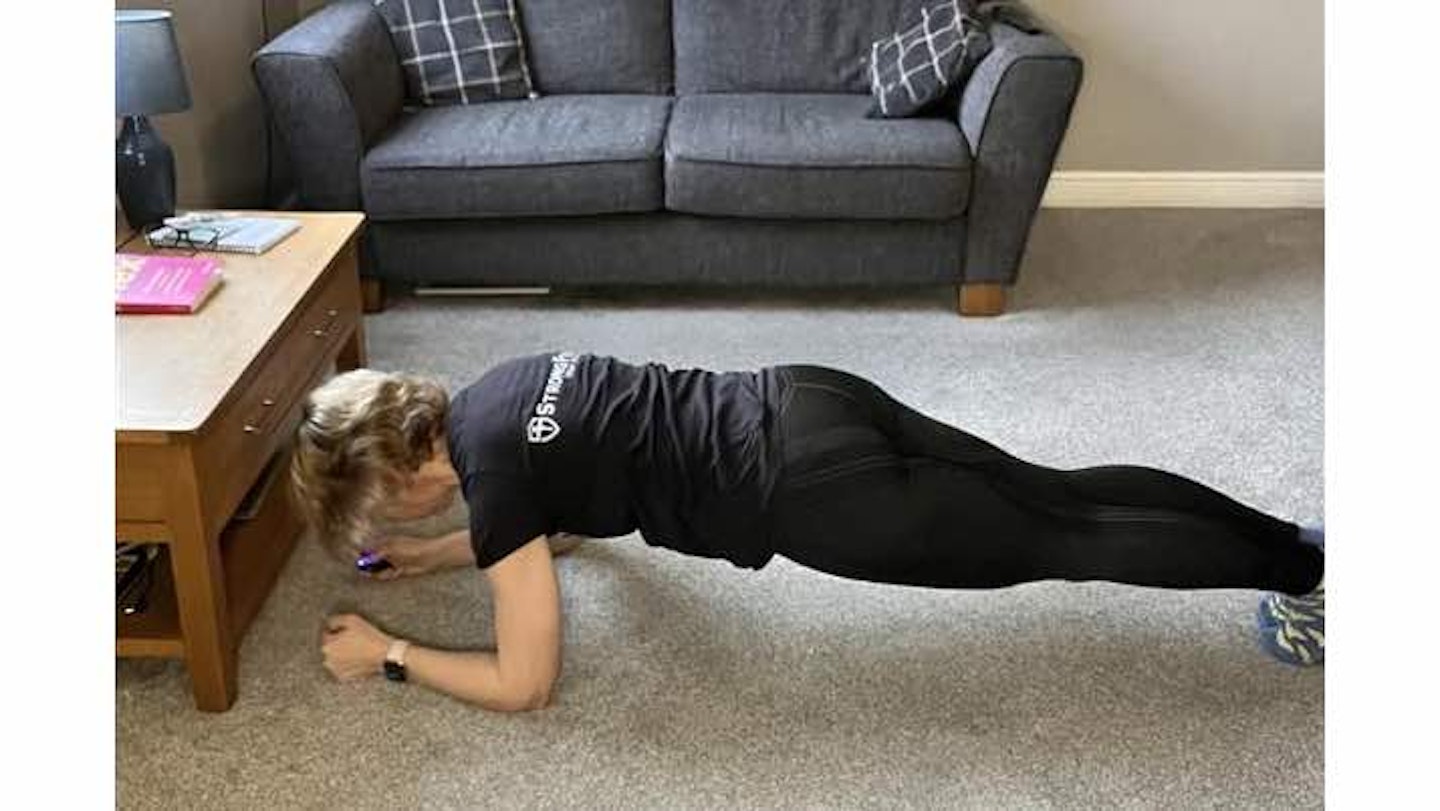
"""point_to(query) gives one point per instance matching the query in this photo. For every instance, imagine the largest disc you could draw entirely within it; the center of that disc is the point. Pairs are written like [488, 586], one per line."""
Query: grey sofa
[676, 142]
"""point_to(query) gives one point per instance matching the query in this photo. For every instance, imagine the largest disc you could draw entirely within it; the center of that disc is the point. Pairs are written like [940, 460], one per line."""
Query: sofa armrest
[332, 84]
[1014, 112]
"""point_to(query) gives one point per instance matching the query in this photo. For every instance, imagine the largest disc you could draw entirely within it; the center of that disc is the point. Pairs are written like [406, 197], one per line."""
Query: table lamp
[149, 80]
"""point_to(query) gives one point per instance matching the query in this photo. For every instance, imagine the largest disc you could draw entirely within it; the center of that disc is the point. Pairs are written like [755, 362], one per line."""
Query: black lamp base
[144, 173]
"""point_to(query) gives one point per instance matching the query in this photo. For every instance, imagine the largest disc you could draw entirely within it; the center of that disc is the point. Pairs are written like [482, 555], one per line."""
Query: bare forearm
[454, 550]
[472, 676]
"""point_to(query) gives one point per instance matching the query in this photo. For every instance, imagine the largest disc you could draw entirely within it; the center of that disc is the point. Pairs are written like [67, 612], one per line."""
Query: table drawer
[266, 406]
[311, 337]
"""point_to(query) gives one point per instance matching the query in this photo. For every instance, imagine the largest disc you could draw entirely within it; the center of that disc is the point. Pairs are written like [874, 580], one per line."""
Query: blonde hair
[364, 432]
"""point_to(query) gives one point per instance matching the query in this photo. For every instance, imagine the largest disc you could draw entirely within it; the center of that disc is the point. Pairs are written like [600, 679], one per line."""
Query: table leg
[352, 349]
[210, 654]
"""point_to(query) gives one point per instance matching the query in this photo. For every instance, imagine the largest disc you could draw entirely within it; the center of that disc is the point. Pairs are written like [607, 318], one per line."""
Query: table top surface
[173, 371]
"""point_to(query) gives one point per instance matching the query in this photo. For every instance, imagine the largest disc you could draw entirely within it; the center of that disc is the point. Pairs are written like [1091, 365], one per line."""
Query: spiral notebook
[253, 235]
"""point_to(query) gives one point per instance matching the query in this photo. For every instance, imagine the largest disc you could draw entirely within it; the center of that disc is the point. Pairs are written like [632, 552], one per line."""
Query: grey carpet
[1184, 340]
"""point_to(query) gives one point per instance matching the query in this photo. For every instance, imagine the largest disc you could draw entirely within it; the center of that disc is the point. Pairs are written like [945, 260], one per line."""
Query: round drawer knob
[332, 313]
[250, 429]
[318, 333]
[267, 402]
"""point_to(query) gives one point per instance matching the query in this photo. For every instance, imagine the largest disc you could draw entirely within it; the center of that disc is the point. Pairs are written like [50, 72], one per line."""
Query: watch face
[394, 671]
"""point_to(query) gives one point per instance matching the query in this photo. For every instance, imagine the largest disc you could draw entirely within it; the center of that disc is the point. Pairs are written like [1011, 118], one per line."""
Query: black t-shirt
[594, 446]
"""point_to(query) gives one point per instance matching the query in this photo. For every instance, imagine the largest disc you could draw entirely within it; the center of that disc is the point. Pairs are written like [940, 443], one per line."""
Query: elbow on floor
[523, 701]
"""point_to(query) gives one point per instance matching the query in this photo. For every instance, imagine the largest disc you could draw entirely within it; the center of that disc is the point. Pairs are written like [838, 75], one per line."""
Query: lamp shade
[149, 76]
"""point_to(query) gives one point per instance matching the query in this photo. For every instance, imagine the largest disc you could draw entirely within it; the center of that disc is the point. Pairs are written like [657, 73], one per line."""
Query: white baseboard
[426, 290]
[1185, 190]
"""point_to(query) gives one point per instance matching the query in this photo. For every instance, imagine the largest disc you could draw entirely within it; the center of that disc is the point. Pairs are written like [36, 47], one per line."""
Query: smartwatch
[395, 660]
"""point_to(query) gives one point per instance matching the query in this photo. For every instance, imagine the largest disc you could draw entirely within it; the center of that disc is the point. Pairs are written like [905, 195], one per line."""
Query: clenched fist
[353, 648]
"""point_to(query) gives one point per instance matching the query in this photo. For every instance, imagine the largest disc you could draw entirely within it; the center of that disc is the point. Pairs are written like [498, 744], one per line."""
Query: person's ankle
[1313, 535]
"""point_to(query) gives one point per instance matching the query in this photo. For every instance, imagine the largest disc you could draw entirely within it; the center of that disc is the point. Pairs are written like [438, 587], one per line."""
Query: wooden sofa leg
[981, 299]
[372, 295]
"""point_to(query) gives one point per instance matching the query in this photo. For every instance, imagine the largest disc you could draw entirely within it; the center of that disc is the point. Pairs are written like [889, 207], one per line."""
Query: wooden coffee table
[205, 405]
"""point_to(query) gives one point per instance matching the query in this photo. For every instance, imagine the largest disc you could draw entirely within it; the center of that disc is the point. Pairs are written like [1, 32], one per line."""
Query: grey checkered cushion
[911, 69]
[458, 51]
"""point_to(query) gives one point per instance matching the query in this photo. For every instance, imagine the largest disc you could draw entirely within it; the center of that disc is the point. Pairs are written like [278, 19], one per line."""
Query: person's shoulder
[485, 413]
[501, 377]
[518, 365]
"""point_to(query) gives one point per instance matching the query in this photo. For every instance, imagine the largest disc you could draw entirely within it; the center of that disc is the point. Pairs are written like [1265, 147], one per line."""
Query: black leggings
[874, 490]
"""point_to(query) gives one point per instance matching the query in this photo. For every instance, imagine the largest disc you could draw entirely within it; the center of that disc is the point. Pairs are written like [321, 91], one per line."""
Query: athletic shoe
[1292, 629]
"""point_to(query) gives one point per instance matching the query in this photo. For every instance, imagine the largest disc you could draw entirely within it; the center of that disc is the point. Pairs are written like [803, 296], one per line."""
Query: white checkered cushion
[458, 51]
[911, 69]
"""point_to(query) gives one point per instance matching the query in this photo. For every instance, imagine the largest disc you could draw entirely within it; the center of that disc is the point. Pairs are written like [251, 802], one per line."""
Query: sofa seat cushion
[552, 156]
[811, 157]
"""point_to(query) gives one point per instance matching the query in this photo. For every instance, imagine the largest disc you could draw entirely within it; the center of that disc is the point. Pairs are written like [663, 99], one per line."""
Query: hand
[407, 557]
[353, 648]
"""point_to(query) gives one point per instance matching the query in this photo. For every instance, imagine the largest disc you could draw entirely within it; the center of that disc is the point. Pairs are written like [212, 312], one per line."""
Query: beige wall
[1218, 85]
[219, 142]
[1215, 85]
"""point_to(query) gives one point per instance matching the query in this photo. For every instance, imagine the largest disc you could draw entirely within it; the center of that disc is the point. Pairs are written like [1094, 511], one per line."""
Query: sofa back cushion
[800, 46]
[598, 46]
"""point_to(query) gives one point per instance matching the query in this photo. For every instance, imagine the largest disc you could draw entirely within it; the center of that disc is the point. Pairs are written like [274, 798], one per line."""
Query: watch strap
[395, 660]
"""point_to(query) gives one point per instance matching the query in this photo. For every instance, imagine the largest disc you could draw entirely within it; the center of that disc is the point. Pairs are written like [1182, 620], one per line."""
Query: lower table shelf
[156, 631]
[253, 552]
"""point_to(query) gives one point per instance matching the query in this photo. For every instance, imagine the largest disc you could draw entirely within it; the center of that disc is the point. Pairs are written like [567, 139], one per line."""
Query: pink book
[163, 284]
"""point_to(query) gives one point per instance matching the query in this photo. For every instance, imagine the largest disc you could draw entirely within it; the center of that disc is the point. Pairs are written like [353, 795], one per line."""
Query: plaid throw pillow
[458, 51]
[911, 69]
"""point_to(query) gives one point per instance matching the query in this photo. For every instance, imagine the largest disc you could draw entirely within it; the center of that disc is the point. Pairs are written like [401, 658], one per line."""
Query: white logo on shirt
[542, 427]
[541, 430]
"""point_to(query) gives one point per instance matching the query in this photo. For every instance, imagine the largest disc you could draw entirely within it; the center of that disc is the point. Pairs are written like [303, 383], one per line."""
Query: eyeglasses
[192, 238]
